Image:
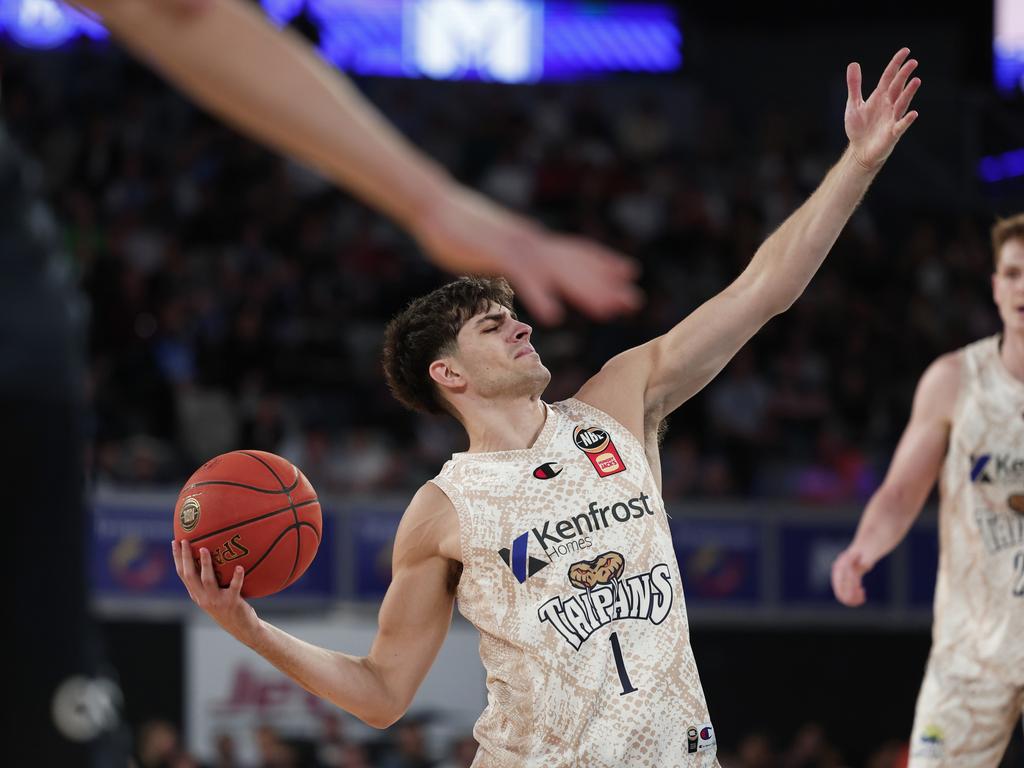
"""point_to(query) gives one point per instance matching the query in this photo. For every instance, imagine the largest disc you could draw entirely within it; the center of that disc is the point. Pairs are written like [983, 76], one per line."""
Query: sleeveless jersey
[979, 595]
[570, 577]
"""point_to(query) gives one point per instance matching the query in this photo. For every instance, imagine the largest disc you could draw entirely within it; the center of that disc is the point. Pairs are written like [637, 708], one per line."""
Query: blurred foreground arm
[268, 83]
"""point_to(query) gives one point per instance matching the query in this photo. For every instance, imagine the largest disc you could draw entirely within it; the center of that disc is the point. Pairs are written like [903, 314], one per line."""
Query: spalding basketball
[253, 509]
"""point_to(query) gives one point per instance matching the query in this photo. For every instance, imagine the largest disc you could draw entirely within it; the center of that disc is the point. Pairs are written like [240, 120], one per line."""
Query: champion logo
[547, 470]
[518, 559]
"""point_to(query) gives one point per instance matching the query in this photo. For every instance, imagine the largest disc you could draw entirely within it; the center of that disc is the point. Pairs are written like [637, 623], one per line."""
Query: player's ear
[447, 376]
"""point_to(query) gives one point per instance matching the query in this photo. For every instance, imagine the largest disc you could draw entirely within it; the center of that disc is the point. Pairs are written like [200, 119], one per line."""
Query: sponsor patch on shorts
[929, 743]
[700, 737]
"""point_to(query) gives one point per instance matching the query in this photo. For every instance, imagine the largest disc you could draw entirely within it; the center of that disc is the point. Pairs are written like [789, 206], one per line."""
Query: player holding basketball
[966, 430]
[551, 530]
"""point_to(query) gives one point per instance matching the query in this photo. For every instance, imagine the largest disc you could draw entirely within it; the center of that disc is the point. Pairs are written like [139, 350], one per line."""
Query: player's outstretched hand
[847, 574]
[874, 126]
[224, 604]
[464, 233]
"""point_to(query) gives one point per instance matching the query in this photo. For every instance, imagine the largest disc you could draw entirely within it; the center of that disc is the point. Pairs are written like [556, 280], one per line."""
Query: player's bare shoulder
[429, 527]
[619, 387]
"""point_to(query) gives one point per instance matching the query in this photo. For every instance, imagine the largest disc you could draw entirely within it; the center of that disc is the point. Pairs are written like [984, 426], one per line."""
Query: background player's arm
[673, 367]
[914, 470]
[413, 621]
[270, 84]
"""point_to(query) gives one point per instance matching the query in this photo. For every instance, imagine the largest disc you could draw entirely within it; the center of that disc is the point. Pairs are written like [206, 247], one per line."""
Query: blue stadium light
[45, 23]
[1008, 165]
[511, 41]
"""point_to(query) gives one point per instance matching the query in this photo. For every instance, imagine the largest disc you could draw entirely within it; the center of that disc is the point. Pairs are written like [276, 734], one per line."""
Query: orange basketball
[253, 509]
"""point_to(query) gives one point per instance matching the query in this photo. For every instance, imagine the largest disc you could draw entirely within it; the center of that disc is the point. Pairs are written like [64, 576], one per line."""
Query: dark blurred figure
[462, 753]
[159, 746]
[755, 751]
[226, 758]
[892, 754]
[332, 743]
[410, 750]
[811, 749]
[274, 751]
[67, 711]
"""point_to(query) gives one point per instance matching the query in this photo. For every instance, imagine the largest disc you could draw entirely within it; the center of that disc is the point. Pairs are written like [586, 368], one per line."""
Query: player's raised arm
[674, 367]
[914, 470]
[269, 84]
[413, 622]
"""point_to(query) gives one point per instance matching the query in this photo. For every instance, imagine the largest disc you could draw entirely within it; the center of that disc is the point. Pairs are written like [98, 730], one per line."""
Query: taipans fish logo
[1016, 502]
[547, 471]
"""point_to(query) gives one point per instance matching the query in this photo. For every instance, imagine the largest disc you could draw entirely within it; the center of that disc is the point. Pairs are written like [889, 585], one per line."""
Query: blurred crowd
[234, 299]
[406, 745]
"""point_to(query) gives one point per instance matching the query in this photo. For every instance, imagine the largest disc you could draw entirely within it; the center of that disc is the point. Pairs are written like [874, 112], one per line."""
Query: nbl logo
[597, 444]
[518, 559]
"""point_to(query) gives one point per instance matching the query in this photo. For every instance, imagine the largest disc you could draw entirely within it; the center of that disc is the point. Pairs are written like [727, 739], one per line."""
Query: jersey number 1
[627, 686]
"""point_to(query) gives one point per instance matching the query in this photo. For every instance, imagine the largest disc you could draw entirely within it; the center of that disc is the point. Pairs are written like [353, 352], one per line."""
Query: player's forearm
[348, 682]
[274, 88]
[885, 522]
[786, 261]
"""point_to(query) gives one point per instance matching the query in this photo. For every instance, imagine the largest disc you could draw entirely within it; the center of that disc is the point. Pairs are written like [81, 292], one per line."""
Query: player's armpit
[417, 609]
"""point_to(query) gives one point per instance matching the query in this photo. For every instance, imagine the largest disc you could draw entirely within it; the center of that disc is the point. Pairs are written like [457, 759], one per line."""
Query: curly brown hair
[427, 329]
[1005, 230]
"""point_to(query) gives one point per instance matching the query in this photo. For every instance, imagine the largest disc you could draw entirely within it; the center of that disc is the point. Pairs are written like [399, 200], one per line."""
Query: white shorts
[962, 722]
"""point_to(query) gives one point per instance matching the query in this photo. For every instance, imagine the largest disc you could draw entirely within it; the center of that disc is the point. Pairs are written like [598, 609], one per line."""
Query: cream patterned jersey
[569, 575]
[979, 596]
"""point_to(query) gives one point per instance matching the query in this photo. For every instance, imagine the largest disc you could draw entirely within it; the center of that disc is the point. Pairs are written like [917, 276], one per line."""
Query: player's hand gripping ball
[253, 509]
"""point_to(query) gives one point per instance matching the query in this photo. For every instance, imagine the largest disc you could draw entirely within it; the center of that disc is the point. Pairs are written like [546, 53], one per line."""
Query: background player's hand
[465, 233]
[874, 126]
[225, 605]
[847, 578]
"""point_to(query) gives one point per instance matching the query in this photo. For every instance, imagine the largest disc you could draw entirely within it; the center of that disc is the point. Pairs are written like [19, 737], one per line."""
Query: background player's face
[1008, 284]
[497, 358]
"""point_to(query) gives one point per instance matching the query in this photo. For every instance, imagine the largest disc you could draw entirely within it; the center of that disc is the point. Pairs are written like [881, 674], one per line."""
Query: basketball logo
[597, 444]
[189, 513]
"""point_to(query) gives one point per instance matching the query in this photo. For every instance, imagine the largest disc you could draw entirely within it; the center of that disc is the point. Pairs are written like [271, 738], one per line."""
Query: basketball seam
[298, 538]
[280, 536]
[242, 485]
[253, 520]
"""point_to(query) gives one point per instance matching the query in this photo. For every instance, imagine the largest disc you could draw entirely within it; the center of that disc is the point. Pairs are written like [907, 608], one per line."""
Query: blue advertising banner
[131, 555]
[806, 555]
[372, 533]
[720, 560]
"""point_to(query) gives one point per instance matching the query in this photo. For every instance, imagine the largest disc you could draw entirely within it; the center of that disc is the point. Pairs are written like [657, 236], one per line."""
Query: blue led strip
[1008, 165]
[1008, 68]
[511, 41]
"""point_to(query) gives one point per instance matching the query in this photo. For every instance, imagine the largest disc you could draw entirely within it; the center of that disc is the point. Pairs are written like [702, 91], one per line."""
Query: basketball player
[269, 84]
[966, 430]
[551, 529]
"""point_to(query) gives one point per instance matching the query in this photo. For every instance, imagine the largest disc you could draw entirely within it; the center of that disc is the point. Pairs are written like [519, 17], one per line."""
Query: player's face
[496, 355]
[1008, 285]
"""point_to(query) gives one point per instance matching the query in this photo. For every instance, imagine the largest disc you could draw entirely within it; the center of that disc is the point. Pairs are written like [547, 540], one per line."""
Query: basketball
[253, 509]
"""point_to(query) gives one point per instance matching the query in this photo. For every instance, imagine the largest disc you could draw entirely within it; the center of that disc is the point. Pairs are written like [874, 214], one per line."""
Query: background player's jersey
[571, 579]
[979, 598]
